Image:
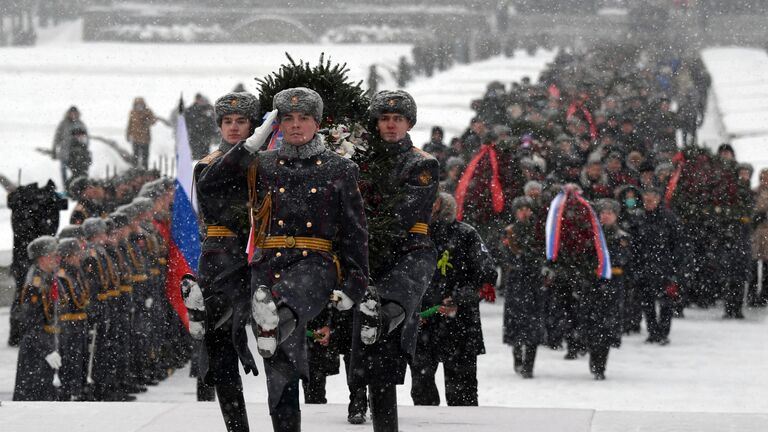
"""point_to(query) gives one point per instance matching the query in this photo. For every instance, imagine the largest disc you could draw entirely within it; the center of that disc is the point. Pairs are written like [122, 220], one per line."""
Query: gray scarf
[306, 151]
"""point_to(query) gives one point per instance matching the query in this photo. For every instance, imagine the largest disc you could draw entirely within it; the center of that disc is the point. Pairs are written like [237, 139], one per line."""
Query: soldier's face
[298, 128]
[393, 127]
[48, 263]
[235, 128]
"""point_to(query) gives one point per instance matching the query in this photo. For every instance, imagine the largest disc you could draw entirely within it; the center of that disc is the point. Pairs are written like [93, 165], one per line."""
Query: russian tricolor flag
[184, 238]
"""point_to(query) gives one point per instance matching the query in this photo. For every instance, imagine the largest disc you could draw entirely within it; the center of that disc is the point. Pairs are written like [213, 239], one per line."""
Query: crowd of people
[91, 318]
[608, 136]
[584, 199]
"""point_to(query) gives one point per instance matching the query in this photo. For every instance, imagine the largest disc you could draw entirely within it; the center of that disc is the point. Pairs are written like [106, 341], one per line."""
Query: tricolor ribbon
[497, 194]
[554, 226]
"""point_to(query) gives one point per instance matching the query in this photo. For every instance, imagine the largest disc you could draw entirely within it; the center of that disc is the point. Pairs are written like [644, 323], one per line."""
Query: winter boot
[286, 417]
[205, 392]
[358, 405]
[517, 356]
[383, 401]
[528, 353]
[232, 405]
[287, 423]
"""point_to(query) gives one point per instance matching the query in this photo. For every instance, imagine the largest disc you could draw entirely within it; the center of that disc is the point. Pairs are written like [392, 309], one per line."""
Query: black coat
[657, 247]
[73, 340]
[36, 314]
[223, 273]
[600, 323]
[523, 295]
[464, 266]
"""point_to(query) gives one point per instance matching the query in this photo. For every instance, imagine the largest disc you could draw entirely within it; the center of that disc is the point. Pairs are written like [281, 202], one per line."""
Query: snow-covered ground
[740, 101]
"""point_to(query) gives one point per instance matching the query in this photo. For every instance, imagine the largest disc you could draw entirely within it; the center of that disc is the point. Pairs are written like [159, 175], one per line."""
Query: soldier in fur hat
[309, 230]
[387, 320]
[37, 314]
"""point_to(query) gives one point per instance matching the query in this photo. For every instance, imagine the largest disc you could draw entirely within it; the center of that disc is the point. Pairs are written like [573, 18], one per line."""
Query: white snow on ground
[712, 377]
[740, 93]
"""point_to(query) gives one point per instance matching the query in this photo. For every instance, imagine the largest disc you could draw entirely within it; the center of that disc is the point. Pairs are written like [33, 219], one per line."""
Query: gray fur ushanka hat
[299, 99]
[68, 247]
[94, 226]
[393, 101]
[41, 246]
[242, 103]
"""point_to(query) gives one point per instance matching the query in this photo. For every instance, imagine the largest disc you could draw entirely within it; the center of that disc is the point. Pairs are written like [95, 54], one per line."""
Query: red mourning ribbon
[672, 185]
[572, 108]
[497, 195]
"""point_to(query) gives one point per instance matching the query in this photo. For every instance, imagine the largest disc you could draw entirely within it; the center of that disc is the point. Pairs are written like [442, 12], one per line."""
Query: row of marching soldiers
[96, 323]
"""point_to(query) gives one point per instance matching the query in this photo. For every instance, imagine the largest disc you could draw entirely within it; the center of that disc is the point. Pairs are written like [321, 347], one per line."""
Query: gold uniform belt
[125, 289]
[219, 231]
[139, 278]
[162, 261]
[617, 271]
[311, 243]
[51, 329]
[108, 294]
[419, 228]
[290, 242]
[154, 271]
[73, 316]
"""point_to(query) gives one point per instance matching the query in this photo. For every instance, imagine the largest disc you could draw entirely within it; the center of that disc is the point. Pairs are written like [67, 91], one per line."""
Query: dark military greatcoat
[314, 239]
[408, 184]
[36, 315]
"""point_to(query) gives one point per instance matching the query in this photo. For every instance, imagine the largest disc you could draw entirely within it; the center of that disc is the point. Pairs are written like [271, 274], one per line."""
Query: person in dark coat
[400, 191]
[34, 213]
[73, 319]
[310, 239]
[600, 323]
[523, 291]
[37, 315]
[453, 336]
[79, 160]
[657, 258]
[223, 275]
[437, 148]
[202, 123]
[103, 285]
[631, 213]
[63, 138]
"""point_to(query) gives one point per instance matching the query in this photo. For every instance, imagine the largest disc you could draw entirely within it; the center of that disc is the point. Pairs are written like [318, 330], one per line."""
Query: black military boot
[598, 358]
[286, 417]
[205, 392]
[383, 401]
[232, 404]
[528, 353]
[358, 405]
[517, 356]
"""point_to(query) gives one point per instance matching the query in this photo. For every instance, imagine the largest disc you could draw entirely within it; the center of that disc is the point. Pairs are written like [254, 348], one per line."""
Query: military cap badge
[294, 100]
[425, 178]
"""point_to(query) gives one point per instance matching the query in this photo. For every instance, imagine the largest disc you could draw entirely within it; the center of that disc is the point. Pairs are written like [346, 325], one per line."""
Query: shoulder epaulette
[208, 159]
[36, 281]
[93, 253]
